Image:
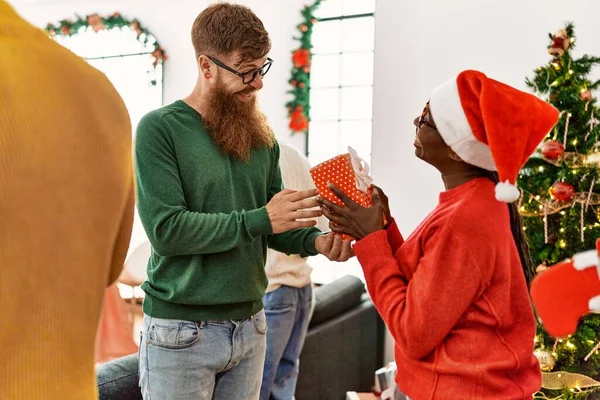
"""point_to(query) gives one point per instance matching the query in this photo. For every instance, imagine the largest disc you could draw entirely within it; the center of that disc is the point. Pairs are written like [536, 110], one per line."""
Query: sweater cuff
[372, 248]
[309, 243]
[258, 222]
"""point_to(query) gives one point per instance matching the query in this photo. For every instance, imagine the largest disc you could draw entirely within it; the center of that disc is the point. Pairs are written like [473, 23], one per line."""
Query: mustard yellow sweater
[66, 210]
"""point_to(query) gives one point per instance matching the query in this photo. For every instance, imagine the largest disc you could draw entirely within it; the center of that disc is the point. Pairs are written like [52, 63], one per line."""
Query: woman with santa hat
[454, 294]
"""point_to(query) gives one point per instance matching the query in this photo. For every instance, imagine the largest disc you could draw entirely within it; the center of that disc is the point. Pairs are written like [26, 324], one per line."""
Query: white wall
[420, 44]
[171, 21]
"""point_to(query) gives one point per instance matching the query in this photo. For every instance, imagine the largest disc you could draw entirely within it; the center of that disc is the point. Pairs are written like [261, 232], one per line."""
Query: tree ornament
[560, 43]
[301, 85]
[546, 238]
[303, 28]
[541, 268]
[552, 150]
[591, 353]
[566, 129]
[546, 359]
[562, 191]
[585, 95]
[306, 70]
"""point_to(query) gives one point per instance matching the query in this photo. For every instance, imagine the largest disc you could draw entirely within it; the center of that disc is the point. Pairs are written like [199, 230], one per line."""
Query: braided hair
[516, 227]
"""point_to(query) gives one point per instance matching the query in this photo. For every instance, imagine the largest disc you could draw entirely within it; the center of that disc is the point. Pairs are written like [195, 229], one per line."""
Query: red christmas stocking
[568, 291]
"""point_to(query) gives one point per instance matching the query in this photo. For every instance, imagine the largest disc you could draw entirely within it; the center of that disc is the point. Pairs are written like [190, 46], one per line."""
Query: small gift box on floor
[349, 173]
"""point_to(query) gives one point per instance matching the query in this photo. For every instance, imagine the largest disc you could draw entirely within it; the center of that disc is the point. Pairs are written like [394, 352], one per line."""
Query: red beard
[237, 127]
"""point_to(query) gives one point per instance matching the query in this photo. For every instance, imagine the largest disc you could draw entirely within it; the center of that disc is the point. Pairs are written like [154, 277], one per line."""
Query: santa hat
[491, 125]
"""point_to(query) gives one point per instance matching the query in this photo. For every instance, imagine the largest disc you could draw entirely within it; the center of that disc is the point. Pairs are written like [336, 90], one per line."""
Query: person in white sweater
[288, 300]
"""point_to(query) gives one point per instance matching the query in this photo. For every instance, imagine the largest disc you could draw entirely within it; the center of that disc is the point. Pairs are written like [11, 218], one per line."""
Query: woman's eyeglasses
[422, 120]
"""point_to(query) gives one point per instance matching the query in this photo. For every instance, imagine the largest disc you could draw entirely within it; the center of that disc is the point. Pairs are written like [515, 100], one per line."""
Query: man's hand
[288, 206]
[353, 219]
[333, 247]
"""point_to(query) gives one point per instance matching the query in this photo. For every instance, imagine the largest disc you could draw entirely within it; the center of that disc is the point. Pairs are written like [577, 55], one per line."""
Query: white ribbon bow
[361, 171]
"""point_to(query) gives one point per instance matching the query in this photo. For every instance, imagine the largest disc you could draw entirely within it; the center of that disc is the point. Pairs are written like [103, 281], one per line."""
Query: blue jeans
[287, 310]
[205, 360]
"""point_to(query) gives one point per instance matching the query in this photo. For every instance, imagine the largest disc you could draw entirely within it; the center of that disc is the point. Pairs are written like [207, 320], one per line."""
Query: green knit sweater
[205, 216]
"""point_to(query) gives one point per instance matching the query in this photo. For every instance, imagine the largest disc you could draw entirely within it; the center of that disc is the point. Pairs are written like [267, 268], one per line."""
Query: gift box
[385, 383]
[350, 174]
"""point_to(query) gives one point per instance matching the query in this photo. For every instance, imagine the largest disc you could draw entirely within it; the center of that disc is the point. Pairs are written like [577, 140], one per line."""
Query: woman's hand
[354, 219]
[385, 203]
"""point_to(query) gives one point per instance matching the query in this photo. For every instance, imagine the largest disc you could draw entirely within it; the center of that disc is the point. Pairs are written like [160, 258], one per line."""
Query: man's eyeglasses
[247, 77]
[422, 120]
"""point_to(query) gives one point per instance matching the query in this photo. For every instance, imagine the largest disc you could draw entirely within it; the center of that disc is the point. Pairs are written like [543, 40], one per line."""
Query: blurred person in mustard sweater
[66, 210]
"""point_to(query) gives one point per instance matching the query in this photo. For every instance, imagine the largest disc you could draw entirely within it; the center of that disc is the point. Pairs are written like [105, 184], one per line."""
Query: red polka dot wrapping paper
[339, 171]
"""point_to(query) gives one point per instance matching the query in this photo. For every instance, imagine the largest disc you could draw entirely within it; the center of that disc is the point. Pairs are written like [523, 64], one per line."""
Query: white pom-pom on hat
[507, 192]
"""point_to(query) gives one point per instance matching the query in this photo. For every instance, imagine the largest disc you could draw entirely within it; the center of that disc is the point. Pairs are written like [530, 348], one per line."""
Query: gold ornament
[546, 359]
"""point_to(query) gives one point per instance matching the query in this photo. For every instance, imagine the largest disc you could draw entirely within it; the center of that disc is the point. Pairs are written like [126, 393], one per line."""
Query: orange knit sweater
[454, 298]
[66, 210]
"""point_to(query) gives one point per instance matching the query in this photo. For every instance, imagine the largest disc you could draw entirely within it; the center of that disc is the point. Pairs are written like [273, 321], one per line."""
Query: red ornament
[552, 150]
[306, 70]
[301, 85]
[562, 191]
[298, 120]
[301, 58]
[303, 28]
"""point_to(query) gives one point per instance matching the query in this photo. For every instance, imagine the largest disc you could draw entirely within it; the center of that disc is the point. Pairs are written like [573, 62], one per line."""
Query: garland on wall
[98, 23]
[299, 107]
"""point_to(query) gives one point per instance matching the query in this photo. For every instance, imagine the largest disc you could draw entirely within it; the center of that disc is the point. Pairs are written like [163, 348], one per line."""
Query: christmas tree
[561, 186]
